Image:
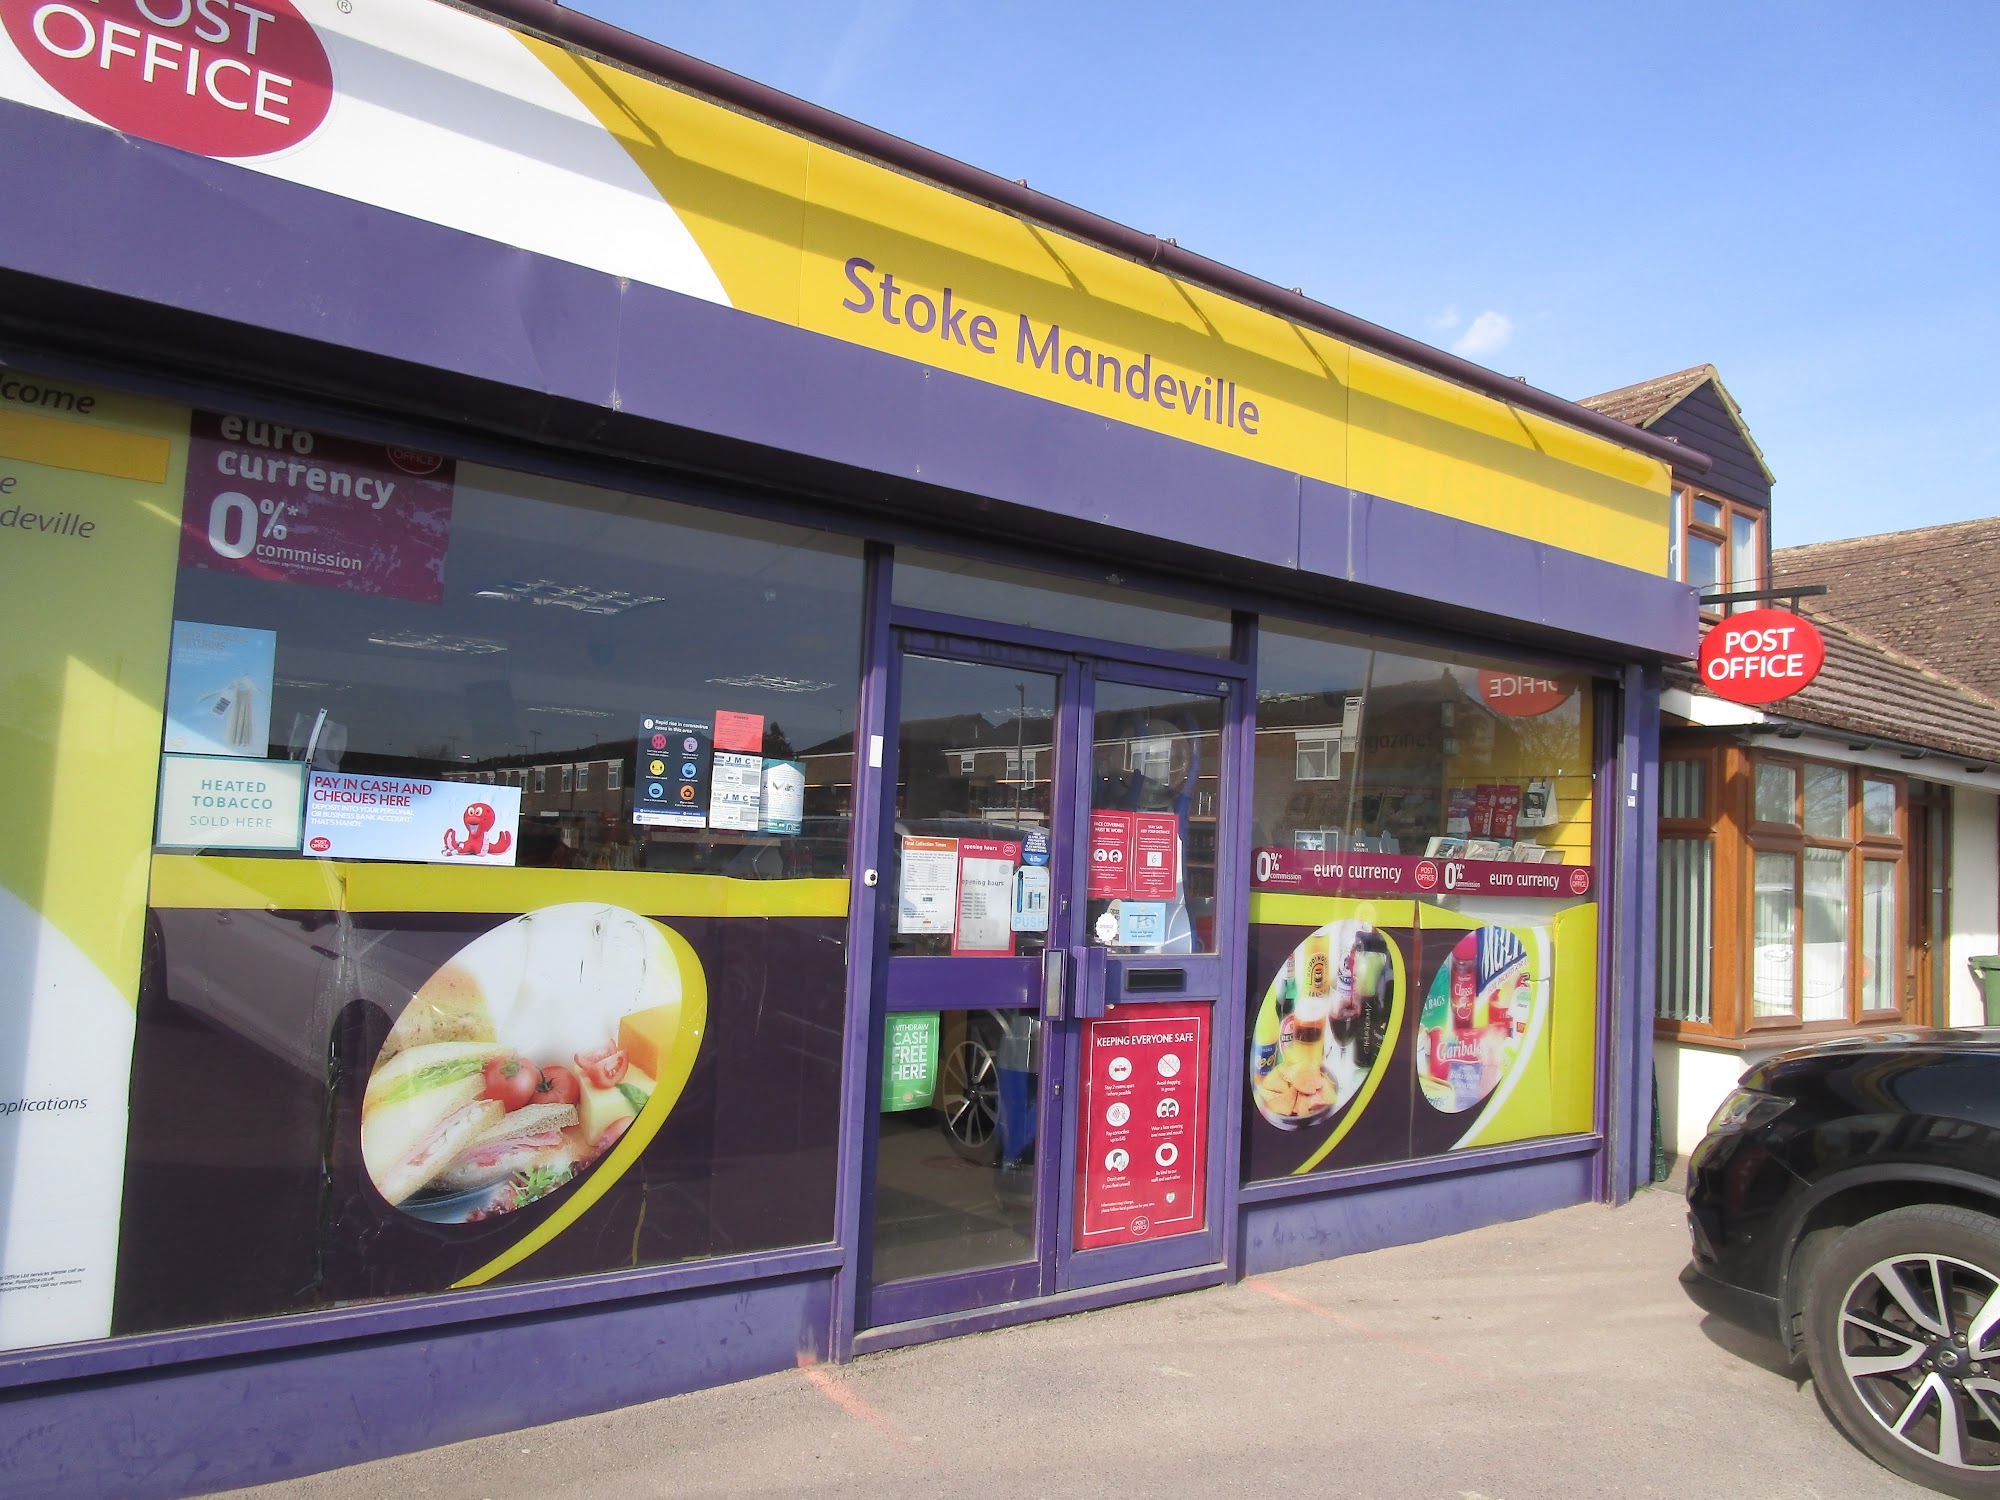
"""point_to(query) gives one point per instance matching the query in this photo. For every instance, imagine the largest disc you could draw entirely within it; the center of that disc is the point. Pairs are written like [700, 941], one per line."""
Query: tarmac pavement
[1541, 1360]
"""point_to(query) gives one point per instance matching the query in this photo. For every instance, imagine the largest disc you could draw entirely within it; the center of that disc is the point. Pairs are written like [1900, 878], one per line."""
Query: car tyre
[1902, 1332]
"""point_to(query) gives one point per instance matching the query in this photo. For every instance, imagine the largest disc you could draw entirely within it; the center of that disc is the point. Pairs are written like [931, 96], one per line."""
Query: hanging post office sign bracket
[1758, 596]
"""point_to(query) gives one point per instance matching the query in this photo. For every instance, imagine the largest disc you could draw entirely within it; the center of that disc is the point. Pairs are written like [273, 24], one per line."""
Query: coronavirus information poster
[671, 790]
[1142, 1170]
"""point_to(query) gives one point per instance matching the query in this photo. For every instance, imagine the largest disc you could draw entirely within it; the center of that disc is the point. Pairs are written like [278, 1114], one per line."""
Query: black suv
[1846, 1201]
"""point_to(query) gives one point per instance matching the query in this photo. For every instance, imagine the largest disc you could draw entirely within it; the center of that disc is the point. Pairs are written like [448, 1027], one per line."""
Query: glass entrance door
[969, 880]
[1049, 911]
[1152, 956]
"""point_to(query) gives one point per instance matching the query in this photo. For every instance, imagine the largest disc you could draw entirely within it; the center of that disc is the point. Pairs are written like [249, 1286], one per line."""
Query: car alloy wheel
[1903, 1335]
[969, 1096]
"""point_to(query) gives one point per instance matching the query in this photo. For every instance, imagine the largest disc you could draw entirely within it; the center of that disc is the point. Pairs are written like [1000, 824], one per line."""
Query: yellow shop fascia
[805, 234]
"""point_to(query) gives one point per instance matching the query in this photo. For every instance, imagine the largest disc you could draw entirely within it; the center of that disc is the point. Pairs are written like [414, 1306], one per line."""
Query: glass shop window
[363, 1070]
[508, 632]
[1423, 929]
[1362, 750]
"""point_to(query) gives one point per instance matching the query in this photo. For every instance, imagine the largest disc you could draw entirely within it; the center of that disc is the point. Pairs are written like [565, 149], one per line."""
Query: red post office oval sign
[231, 78]
[1761, 655]
[1521, 695]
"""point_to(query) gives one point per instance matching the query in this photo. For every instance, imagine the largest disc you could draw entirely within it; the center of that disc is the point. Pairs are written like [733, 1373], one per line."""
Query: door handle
[1052, 984]
[1092, 982]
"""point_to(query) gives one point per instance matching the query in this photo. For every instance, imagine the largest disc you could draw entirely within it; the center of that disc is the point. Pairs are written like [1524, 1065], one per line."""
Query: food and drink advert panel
[1393, 1030]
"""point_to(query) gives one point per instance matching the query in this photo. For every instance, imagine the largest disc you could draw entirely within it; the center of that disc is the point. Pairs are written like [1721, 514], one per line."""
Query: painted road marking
[835, 1391]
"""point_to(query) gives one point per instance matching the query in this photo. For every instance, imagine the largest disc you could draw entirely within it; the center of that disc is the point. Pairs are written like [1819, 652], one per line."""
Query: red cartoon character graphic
[479, 821]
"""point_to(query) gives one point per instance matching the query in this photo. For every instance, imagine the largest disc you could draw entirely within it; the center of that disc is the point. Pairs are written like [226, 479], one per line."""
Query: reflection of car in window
[267, 978]
[988, 1093]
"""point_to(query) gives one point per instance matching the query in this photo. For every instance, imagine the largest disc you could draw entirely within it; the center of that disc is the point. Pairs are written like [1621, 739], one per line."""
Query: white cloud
[1445, 321]
[1487, 334]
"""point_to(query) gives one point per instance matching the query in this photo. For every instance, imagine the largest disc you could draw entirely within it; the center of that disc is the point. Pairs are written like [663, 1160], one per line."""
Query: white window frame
[1316, 757]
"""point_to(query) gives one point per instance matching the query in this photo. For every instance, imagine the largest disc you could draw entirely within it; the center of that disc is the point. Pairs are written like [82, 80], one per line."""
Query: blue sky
[1805, 195]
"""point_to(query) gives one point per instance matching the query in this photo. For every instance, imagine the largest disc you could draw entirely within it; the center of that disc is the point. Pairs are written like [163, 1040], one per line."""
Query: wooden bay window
[1784, 890]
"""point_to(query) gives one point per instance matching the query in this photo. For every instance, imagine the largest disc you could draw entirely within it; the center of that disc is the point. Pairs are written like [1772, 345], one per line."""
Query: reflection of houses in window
[1425, 757]
[1151, 758]
[1316, 754]
[997, 769]
[1012, 764]
[1320, 786]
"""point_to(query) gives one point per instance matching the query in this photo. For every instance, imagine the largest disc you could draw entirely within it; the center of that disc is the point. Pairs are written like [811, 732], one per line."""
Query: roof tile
[1649, 400]
[1932, 594]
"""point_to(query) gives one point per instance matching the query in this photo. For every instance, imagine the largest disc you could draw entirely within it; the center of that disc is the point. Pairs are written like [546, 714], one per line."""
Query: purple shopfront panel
[1059, 1039]
[866, 925]
[1609, 718]
[943, 983]
[1277, 1233]
[1226, 1165]
[1632, 979]
[766, 383]
[1383, 544]
[1056, 1305]
[1625, 828]
[238, 1422]
[545, 341]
